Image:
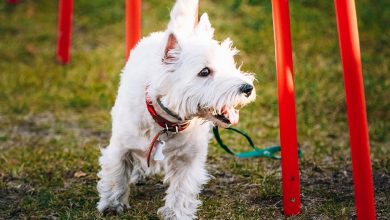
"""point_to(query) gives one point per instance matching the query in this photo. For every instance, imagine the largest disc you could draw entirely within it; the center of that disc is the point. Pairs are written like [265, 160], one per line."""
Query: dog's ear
[172, 49]
[184, 17]
[204, 26]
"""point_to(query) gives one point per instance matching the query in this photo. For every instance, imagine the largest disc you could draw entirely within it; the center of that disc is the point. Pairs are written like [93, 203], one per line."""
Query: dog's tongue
[233, 115]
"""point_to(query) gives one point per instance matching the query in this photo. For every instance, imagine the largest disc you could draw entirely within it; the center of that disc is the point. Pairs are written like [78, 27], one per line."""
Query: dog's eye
[204, 72]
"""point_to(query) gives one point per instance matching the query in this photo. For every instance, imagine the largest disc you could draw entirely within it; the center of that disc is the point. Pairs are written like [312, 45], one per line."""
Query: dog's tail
[184, 17]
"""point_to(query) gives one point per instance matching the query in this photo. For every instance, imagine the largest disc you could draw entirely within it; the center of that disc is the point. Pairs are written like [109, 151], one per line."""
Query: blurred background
[54, 118]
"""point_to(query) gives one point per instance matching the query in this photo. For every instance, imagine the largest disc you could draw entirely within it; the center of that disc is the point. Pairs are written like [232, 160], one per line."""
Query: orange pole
[356, 108]
[133, 24]
[287, 115]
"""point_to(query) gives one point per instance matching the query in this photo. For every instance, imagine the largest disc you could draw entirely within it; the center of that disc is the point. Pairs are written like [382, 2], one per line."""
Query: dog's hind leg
[116, 167]
[185, 174]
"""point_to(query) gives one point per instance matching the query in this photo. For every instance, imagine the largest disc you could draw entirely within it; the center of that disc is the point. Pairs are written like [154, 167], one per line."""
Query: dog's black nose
[247, 89]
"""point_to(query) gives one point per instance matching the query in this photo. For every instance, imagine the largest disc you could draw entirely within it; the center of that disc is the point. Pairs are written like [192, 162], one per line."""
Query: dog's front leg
[185, 174]
[113, 184]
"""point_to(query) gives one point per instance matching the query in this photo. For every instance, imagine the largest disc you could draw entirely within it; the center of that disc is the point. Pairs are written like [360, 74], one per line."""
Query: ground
[54, 118]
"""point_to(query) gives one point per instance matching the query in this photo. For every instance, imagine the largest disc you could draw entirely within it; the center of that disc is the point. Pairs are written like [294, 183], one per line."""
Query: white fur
[176, 81]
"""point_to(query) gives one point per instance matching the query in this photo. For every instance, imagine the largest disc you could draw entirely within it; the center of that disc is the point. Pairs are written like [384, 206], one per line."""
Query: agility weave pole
[12, 1]
[356, 108]
[65, 14]
[287, 115]
[133, 24]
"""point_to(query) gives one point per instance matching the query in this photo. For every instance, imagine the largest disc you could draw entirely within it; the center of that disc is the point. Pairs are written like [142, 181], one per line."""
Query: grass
[54, 118]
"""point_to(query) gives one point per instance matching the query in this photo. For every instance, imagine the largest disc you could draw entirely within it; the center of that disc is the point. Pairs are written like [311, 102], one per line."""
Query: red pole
[12, 1]
[133, 24]
[65, 13]
[356, 108]
[286, 99]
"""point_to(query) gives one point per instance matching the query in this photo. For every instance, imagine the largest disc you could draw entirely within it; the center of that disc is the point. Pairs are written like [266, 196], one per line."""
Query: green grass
[54, 118]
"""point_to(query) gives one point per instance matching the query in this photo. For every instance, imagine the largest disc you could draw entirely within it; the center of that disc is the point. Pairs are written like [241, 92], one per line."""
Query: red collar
[164, 123]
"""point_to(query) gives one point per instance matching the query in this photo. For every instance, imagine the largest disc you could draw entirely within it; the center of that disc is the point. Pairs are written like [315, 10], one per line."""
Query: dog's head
[201, 78]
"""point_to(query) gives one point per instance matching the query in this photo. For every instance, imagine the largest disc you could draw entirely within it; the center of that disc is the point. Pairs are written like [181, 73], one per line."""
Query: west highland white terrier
[174, 87]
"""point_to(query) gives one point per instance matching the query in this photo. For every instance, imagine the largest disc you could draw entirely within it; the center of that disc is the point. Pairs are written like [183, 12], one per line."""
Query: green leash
[268, 152]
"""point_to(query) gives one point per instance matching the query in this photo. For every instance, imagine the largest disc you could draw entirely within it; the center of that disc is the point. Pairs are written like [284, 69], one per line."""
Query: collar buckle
[176, 129]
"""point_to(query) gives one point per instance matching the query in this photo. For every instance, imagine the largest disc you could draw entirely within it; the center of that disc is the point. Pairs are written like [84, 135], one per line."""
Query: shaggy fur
[167, 65]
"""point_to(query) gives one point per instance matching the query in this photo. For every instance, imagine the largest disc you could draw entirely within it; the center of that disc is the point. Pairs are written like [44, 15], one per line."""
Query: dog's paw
[166, 213]
[117, 208]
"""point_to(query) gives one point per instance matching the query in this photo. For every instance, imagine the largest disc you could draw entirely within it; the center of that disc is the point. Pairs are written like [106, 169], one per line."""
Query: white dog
[175, 85]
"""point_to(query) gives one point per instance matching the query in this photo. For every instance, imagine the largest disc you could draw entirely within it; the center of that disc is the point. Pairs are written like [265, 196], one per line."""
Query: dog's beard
[223, 111]
[224, 118]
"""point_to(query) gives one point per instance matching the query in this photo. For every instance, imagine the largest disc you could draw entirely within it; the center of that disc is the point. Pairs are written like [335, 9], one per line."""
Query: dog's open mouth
[228, 116]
